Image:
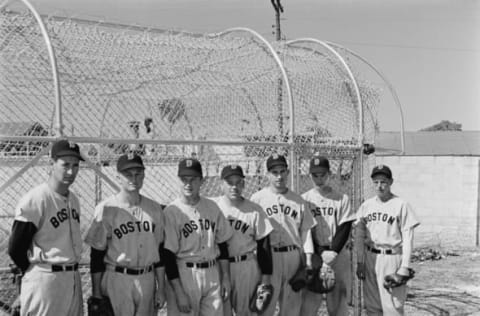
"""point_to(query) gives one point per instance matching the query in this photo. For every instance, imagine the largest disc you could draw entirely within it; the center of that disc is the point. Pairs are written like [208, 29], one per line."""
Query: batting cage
[225, 98]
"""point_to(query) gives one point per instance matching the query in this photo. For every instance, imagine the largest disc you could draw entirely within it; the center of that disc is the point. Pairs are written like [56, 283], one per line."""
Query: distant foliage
[444, 126]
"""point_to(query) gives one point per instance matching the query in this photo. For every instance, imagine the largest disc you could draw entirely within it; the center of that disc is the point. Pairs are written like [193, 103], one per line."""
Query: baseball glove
[322, 280]
[261, 298]
[395, 280]
[99, 306]
[299, 279]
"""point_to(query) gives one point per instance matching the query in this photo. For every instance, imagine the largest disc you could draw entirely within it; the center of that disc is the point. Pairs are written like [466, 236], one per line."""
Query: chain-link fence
[225, 98]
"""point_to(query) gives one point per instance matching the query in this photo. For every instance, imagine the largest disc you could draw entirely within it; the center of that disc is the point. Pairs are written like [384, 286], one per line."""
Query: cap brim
[69, 153]
[189, 173]
[130, 166]
[276, 164]
[318, 169]
[386, 174]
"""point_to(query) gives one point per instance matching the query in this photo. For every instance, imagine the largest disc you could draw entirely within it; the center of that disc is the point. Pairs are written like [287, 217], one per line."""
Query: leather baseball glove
[261, 298]
[394, 280]
[322, 280]
[99, 306]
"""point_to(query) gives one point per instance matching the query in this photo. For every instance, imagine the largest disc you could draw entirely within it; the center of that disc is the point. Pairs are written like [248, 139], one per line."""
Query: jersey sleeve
[263, 227]
[29, 210]
[172, 237]
[97, 234]
[160, 224]
[224, 230]
[346, 212]
[308, 220]
[408, 218]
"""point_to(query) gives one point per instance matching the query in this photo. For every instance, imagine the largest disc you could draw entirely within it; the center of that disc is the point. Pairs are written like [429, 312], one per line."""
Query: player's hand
[183, 302]
[226, 288]
[329, 256]
[160, 299]
[361, 270]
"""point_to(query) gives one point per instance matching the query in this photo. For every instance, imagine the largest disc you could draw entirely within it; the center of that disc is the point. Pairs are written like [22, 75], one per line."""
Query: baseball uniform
[290, 216]
[51, 284]
[330, 211]
[192, 233]
[249, 224]
[380, 230]
[131, 236]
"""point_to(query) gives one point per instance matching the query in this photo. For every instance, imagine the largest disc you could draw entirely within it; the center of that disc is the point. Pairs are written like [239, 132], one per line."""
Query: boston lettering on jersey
[62, 216]
[379, 216]
[203, 224]
[238, 225]
[287, 210]
[130, 227]
[324, 211]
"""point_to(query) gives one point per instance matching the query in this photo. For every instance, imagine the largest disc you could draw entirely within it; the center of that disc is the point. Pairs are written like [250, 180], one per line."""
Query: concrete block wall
[444, 191]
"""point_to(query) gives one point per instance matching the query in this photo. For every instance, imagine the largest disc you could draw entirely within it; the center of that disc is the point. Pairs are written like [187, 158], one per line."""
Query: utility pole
[278, 36]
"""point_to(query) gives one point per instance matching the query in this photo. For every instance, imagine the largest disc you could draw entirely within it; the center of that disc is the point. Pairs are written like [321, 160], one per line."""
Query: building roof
[448, 143]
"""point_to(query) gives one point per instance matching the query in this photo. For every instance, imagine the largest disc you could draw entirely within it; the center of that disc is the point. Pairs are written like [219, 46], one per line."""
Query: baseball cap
[276, 160]
[190, 167]
[64, 148]
[231, 170]
[129, 161]
[382, 169]
[318, 163]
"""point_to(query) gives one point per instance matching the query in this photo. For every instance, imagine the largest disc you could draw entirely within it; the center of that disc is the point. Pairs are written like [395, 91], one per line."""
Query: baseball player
[290, 238]
[196, 233]
[249, 248]
[126, 238]
[46, 242]
[334, 216]
[384, 243]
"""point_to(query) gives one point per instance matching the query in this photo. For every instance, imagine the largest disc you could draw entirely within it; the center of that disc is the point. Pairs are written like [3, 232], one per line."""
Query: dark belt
[64, 267]
[383, 251]
[284, 248]
[202, 265]
[132, 271]
[241, 257]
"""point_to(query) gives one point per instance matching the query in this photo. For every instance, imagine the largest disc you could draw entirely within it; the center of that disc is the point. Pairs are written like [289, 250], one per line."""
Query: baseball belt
[64, 267]
[285, 248]
[240, 258]
[132, 271]
[384, 251]
[201, 265]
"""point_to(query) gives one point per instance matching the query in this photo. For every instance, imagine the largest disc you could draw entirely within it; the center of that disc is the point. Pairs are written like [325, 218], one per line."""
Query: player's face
[65, 169]
[191, 186]
[278, 177]
[132, 179]
[233, 187]
[382, 185]
[320, 177]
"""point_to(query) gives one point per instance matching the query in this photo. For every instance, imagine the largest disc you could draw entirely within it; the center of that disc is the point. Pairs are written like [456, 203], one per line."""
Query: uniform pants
[202, 286]
[379, 301]
[244, 278]
[337, 299]
[46, 293]
[131, 295]
[285, 264]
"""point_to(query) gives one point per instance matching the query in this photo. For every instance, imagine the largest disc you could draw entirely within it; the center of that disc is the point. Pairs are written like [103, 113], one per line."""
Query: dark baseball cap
[129, 161]
[231, 170]
[190, 167]
[382, 169]
[64, 148]
[276, 160]
[317, 163]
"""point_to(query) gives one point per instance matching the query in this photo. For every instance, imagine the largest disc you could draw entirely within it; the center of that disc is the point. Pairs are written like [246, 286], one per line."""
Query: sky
[429, 50]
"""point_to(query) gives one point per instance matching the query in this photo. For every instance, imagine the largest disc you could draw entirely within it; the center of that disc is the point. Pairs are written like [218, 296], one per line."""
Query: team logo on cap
[188, 163]
[316, 161]
[71, 144]
[130, 156]
[234, 166]
[380, 167]
[275, 156]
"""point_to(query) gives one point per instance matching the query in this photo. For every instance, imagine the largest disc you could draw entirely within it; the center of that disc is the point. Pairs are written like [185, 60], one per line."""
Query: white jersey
[57, 218]
[288, 214]
[248, 223]
[131, 235]
[385, 221]
[193, 231]
[330, 211]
